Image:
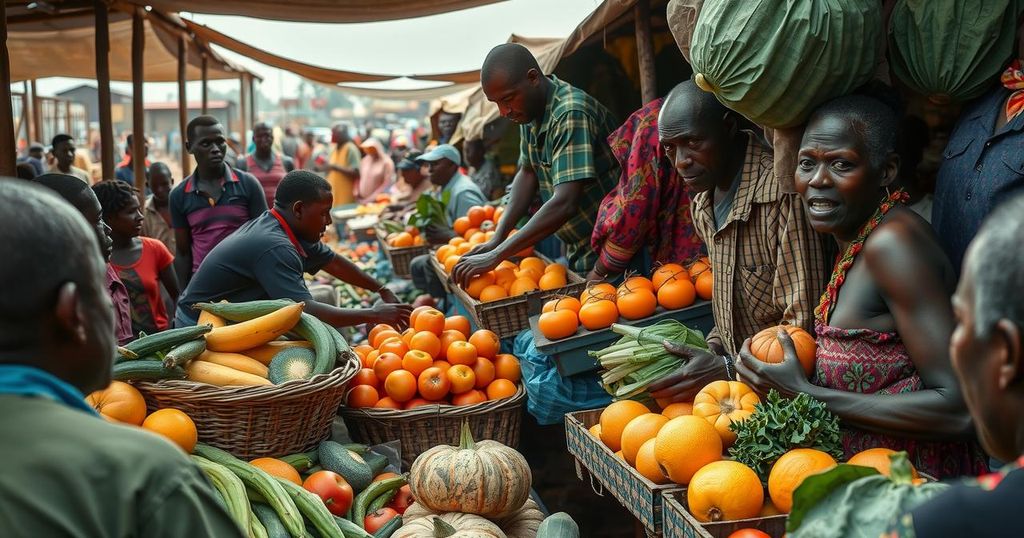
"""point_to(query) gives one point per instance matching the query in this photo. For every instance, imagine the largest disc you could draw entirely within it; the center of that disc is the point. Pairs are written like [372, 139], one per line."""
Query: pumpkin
[854, 500]
[558, 525]
[448, 525]
[523, 523]
[765, 346]
[723, 402]
[119, 402]
[485, 478]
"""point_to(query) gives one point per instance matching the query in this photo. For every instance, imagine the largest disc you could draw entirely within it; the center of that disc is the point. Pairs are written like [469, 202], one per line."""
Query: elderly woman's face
[839, 184]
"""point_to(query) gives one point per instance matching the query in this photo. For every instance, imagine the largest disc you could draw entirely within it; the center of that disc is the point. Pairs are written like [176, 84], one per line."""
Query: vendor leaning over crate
[266, 258]
[70, 472]
[769, 264]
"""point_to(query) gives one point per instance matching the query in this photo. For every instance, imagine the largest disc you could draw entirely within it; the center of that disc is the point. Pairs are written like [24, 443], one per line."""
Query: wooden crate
[678, 522]
[400, 257]
[510, 316]
[637, 494]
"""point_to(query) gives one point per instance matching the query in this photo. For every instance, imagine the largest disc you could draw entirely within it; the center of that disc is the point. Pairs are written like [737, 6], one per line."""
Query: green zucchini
[373, 491]
[303, 461]
[145, 371]
[262, 483]
[183, 353]
[351, 530]
[272, 523]
[243, 311]
[166, 340]
[343, 351]
[381, 500]
[389, 528]
[313, 509]
[230, 488]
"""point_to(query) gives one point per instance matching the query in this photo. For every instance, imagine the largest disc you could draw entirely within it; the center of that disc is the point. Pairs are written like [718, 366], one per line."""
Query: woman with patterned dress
[884, 322]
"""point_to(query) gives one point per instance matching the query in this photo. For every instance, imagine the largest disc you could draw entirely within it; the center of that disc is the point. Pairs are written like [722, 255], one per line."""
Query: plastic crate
[637, 494]
[678, 522]
[571, 354]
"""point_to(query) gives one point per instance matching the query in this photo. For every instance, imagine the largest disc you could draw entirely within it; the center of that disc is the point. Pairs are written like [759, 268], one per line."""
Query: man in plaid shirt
[769, 264]
[564, 156]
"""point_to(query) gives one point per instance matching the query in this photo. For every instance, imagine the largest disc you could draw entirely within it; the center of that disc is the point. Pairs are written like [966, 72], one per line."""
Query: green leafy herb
[779, 425]
[430, 210]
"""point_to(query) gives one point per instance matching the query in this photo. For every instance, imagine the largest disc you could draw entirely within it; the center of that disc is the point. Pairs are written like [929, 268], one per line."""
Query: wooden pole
[252, 100]
[37, 115]
[26, 112]
[8, 145]
[103, 89]
[243, 116]
[645, 50]
[183, 104]
[138, 103]
[205, 89]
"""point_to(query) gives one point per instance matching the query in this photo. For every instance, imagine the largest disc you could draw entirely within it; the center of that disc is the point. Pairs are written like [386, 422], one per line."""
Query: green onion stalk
[639, 358]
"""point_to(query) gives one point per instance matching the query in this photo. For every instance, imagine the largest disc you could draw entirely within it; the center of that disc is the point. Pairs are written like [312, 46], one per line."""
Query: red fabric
[288, 230]
[269, 179]
[142, 280]
[1013, 79]
[122, 306]
[650, 207]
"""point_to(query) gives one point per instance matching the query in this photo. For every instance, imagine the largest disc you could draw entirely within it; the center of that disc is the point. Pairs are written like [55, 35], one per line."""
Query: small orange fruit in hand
[461, 353]
[400, 385]
[640, 430]
[426, 342]
[684, 445]
[765, 346]
[458, 323]
[558, 324]
[119, 402]
[486, 343]
[278, 468]
[174, 425]
[362, 396]
[415, 361]
[470, 397]
[385, 364]
[507, 367]
[462, 378]
[614, 419]
[789, 472]
[705, 285]
[500, 388]
[712, 494]
[484, 371]
[434, 384]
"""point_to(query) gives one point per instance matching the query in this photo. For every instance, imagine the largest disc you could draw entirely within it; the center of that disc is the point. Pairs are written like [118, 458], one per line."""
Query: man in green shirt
[68, 471]
[563, 156]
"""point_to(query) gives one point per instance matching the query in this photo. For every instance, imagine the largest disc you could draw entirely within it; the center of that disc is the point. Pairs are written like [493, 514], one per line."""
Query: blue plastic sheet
[549, 395]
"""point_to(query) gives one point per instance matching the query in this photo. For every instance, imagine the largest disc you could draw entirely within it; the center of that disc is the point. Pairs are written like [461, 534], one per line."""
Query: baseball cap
[409, 161]
[444, 151]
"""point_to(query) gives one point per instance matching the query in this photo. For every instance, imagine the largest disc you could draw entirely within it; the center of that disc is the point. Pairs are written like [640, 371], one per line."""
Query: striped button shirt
[769, 264]
[570, 143]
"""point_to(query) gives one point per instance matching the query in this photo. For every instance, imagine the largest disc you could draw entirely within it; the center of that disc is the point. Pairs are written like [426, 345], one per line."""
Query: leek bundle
[639, 358]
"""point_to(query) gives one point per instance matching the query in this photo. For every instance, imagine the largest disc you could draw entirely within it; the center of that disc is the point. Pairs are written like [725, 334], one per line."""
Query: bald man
[564, 156]
[769, 264]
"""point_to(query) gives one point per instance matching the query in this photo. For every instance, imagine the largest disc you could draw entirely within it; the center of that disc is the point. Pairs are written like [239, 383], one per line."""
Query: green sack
[951, 50]
[774, 61]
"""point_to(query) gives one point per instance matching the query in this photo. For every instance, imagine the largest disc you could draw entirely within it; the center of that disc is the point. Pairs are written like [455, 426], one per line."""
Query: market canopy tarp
[66, 47]
[334, 11]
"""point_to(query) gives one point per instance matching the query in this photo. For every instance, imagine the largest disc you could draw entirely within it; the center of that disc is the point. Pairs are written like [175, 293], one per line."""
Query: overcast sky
[437, 44]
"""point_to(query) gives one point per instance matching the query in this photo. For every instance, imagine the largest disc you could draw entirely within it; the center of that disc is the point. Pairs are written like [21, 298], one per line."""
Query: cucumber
[303, 461]
[243, 311]
[291, 364]
[348, 464]
[163, 341]
[352, 530]
[343, 352]
[381, 500]
[367, 496]
[256, 529]
[389, 528]
[376, 462]
[183, 353]
[145, 371]
[272, 523]
[313, 509]
[230, 488]
[319, 335]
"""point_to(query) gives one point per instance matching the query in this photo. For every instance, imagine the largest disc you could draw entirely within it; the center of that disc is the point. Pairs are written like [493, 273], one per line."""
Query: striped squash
[485, 478]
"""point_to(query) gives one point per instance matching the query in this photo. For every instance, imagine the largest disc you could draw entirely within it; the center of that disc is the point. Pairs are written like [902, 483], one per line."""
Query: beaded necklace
[845, 260]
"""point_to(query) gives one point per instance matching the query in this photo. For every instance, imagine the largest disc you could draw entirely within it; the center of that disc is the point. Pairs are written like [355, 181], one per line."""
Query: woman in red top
[142, 263]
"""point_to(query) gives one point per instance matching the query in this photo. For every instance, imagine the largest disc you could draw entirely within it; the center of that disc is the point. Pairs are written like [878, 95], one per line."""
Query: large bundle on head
[774, 61]
[951, 50]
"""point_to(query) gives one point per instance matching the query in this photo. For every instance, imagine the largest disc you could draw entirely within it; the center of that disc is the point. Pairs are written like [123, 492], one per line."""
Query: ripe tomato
[749, 533]
[402, 499]
[332, 489]
[558, 324]
[378, 519]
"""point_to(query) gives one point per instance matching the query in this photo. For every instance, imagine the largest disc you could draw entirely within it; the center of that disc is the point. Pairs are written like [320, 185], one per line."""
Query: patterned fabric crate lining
[637, 494]
[680, 523]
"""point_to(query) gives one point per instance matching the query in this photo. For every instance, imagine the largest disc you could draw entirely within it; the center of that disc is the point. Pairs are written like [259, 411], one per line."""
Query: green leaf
[816, 488]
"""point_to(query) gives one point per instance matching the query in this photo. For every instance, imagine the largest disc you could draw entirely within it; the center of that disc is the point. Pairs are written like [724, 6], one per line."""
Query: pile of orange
[671, 286]
[409, 238]
[509, 279]
[472, 229]
[438, 360]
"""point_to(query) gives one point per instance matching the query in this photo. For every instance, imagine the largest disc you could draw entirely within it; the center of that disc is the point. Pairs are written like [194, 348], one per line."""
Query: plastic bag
[549, 395]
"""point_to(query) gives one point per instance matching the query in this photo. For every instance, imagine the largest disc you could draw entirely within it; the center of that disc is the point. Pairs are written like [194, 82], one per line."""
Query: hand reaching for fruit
[787, 377]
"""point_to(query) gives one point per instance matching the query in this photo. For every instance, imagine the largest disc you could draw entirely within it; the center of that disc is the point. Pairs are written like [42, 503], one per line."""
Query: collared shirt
[980, 168]
[154, 225]
[570, 143]
[464, 195]
[264, 259]
[122, 306]
[79, 476]
[769, 264]
[210, 221]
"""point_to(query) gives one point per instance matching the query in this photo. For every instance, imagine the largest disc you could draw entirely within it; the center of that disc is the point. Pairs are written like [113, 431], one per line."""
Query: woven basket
[510, 316]
[425, 427]
[400, 257]
[253, 422]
